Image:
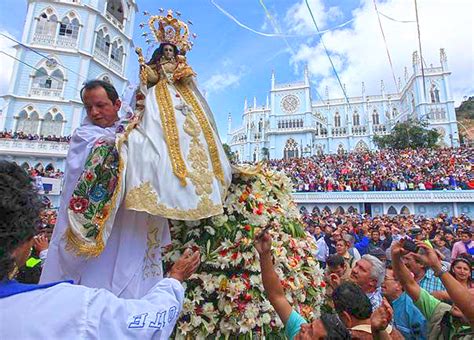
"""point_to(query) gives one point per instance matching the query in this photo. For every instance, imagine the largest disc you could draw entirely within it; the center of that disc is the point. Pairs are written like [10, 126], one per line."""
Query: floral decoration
[225, 298]
[92, 195]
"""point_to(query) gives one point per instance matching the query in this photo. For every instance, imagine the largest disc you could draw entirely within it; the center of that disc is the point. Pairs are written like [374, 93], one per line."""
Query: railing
[385, 196]
[114, 20]
[380, 129]
[104, 58]
[359, 130]
[42, 92]
[115, 65]
[339, 131]
[66, 42]
[33, 147]
[50, 40]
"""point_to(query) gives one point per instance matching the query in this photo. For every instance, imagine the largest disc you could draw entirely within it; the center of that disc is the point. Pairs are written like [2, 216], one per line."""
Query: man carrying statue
[125, 179]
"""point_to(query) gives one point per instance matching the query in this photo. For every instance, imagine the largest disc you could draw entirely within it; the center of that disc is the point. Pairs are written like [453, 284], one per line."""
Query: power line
[327, 52]
[42, 55]
[421, 53]
[386, 46]
[275, 26]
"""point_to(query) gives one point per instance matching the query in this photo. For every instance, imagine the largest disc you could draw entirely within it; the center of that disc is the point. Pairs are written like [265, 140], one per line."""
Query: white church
[292, 124]
[64, 44]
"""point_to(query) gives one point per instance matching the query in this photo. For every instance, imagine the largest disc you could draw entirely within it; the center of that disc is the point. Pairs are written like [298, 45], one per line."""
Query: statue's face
[168, 51]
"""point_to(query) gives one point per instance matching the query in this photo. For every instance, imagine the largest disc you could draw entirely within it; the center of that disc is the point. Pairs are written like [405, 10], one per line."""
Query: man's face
[338, 270]
[391, 288]
[100, 109]
[360, 275]
[375, 236]
[412, 265]
[312, 331]
[465, 237]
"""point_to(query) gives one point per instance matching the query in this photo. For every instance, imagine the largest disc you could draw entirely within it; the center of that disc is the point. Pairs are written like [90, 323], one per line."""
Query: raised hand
[185, 266]
[381, 317]
[40, 243]
[263, 243]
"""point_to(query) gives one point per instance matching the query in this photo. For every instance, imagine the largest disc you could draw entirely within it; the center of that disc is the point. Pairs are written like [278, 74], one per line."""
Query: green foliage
[409, 134]
[230, 155]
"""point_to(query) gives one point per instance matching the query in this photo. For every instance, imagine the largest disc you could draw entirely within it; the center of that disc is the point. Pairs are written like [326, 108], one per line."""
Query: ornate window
[291, 149]
[52, 123]
[47, 23]
[375, 118]
[48, 80]
[69, 27]
[434, 93]
[392, 210]
[361, 146]
[337, 120]
[28, 121]
[102, 45]
[405, 210]
[356, 119]
[115, 8]
[117, 53]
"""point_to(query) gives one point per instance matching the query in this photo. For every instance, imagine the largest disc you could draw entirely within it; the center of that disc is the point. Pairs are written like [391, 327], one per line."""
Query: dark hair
[349, 297]
[464, 259]
[109, 89]
[334, 260]
[466, 231]
[159, 53]
[20, 208]
[335, 329]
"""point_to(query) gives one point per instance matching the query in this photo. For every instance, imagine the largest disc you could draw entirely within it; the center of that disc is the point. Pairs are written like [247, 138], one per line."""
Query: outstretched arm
[458, 292]
[406, 279]
[271, 281]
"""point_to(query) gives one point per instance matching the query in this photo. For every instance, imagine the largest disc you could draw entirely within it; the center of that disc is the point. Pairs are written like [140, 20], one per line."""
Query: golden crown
[168, 29]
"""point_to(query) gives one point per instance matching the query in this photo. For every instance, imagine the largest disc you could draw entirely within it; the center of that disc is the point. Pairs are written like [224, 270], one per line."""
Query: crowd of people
[385, 170]
[33, 137]
[411, 268]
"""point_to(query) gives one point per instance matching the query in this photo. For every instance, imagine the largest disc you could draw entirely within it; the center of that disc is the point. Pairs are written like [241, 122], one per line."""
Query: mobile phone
[410, 245]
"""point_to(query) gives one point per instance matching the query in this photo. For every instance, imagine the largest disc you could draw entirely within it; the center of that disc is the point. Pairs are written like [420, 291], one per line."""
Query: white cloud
[6, 62]
[221, 81]
[359, 52]
[300, 19]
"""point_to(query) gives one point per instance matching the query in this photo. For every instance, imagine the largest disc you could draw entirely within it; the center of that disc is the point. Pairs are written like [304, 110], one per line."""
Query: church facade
[64, 44]
[292, 124]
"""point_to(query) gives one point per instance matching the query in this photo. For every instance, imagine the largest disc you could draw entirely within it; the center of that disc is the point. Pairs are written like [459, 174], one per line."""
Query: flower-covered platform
[225, 298]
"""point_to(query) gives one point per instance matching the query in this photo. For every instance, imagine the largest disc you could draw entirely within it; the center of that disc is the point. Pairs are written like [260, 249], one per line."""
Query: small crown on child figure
[168, 29]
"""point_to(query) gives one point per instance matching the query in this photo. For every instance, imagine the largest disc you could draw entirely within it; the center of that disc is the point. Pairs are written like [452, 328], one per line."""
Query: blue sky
[233, 63]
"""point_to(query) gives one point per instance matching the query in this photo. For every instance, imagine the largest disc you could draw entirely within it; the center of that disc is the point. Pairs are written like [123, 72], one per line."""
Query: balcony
[385, 196]
[359, 130]
[380, 129]
[53, 41]
[114, 20]
[17, 147]
[104, 58]
[43, 92]
[339, 131]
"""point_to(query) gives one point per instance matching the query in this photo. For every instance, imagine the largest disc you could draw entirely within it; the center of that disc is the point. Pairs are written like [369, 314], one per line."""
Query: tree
[409, 134]
[230, 155]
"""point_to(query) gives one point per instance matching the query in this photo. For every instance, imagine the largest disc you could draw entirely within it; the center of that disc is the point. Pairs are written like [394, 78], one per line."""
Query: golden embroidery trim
[144, 198]
[170, 130]
[206, 127]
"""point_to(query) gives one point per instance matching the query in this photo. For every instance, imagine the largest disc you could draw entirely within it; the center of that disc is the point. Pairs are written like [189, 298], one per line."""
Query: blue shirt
[293, 325]
[408, 319]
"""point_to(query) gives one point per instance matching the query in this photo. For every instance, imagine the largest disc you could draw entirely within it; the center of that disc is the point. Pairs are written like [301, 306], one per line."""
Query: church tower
[64, 44]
